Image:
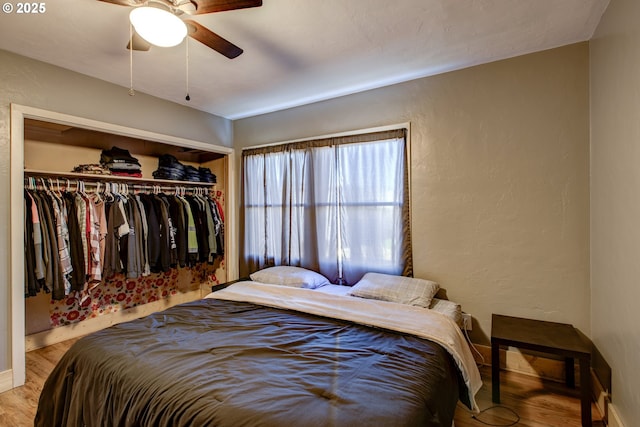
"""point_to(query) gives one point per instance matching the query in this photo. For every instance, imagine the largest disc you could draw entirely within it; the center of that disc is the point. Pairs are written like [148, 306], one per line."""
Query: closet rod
[74, 185]
[114, 178]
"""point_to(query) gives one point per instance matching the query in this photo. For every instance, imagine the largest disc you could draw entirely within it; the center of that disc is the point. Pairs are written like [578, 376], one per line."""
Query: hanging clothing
[32, 286]
[76, 239]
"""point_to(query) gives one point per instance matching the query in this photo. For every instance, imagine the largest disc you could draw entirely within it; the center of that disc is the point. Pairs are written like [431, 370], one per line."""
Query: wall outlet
[466, 321]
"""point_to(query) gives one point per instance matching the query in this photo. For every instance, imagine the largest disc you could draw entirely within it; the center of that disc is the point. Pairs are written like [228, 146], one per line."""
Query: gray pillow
[400, 289]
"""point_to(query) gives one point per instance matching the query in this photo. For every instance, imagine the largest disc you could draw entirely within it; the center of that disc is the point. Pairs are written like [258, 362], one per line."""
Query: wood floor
[18, 406]
[531, 401]
[536, 403]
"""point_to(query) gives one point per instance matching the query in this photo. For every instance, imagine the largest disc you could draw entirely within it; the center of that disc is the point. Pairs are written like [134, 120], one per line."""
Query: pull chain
[131, 91]
[186, 42]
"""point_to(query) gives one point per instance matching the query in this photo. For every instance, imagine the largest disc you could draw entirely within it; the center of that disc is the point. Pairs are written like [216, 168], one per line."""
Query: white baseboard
[75, 330]
[6, 380]
[599, 395]
[614, 418]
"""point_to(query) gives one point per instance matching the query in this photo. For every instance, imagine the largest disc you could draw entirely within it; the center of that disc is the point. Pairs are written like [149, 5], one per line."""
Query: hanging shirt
[31, 286]
[192, 238]
[101, 220]
[62, 232]
[146, 269]
[211, 231]
[37, 239]
[94, 266]
[75, 243]
[81, 213]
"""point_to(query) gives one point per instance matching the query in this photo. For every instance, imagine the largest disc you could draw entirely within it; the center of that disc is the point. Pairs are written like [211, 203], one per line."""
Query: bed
[264, 354]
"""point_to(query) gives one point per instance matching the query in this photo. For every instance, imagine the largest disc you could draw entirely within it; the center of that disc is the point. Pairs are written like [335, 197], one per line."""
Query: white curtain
[338, 206]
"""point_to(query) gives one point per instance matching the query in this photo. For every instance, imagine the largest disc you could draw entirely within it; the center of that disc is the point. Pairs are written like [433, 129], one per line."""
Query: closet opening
[46, 147]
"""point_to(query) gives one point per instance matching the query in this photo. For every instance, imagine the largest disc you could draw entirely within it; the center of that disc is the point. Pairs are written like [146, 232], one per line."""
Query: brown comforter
[225, 363]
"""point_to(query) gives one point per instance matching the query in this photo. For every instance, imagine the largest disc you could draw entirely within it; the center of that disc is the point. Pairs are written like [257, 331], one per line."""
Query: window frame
[245, 270]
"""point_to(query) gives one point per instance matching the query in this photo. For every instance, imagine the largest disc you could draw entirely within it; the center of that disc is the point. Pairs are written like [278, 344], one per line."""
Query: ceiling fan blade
[211, 39]
[138, 43]
[125, 2]
[209, 6]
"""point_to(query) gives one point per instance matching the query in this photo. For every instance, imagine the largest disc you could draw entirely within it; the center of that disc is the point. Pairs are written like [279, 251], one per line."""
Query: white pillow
[400, 289]
[296, 277]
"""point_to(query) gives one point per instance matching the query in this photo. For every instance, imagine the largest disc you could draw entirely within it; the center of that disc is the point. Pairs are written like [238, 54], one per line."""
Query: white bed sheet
[334, 289]
[446, 307]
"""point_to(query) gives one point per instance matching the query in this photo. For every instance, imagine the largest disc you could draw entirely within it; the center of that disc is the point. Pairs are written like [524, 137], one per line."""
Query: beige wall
[615, 200]
[500, 175]
[35, 84]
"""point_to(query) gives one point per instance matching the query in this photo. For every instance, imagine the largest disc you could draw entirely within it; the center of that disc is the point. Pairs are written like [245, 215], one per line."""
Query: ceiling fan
[196, 31]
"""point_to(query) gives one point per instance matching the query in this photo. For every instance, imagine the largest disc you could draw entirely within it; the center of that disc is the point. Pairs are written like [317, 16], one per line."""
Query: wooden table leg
[495, 371]
[585, 391]
[570, 376]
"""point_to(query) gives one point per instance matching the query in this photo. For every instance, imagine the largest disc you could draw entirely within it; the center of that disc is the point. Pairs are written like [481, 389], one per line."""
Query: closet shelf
[114, 178]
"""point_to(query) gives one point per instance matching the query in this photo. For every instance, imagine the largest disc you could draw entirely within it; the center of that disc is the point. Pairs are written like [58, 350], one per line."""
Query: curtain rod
[335, 135]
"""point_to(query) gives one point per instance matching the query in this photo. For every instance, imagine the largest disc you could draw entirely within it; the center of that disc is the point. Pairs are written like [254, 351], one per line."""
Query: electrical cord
[473, 347]
[484, 411]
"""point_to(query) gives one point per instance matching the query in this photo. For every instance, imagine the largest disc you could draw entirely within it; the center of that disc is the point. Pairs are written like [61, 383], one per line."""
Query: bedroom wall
[500, 178]
[615, 201]
[36, 84]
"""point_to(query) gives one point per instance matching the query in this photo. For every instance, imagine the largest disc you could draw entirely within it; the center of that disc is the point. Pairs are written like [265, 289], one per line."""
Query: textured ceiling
[299, 51]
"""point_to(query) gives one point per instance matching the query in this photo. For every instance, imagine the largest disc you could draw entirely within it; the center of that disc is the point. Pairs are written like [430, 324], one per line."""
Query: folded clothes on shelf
[122, 166]
[169, 161]
[117, 155]
[120, 163]
[191, 174]
[206, 175]
[129, 174]
[92, 168]
[171, 169]
[168, 173]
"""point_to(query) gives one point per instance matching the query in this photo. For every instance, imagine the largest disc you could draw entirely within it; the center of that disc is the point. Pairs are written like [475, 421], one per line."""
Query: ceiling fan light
[157, 26]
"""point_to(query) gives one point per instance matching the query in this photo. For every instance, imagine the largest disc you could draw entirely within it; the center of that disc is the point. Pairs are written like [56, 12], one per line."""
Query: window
[336, 205]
